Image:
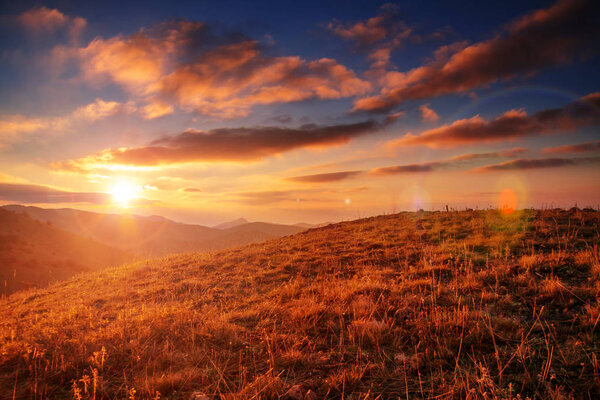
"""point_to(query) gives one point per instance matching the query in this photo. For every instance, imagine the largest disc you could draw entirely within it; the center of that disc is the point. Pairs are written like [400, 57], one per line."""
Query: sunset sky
[298, 111]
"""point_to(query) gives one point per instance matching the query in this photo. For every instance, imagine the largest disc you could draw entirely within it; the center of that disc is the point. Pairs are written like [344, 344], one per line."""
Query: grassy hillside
[413, 305]
[33, 253]
[153, 236]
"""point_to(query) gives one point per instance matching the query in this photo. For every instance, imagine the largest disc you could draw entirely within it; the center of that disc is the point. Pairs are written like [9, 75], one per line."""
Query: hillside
[33, 253]
[153, 236]
[472, 304]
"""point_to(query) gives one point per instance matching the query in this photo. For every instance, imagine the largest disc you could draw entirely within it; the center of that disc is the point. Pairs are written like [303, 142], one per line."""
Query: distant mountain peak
[231, 224]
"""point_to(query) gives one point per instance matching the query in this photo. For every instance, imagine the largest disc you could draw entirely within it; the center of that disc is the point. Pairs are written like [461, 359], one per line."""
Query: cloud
[364, 33]
[384, 26]
[265, 197]
[587, 147]
[101, 109]
[192, 190]
[36, 194]
[225, 144]
[379, 35]
[538, 163]
[43, 21]
[224, 76]
[324, 178]
[511, 125]
[13, 127]
[427, 114]
[260, 198]
[157, 109]
[393, 117]
[541, 39]
[450, 163]
[456, 162]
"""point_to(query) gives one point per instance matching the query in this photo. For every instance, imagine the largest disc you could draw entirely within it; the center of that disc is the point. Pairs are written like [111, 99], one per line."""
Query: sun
[123, 192]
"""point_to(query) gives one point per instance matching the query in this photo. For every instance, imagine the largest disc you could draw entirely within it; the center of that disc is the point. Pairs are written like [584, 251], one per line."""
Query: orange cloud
[14, 127]
[325, 178]
[455, 162]
[182, 62]
[543, 38]
[156, 109]
[391, 118]
[427, 114]
[379, 35]
[365, 33]
[538, 163]
[449, 163]
[225, 144]
[42, 20]
[587, 147]
[17, 124]
[510, 125]
[100, 109]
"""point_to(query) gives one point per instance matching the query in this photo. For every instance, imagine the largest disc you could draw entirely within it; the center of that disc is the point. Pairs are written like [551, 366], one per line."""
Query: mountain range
[40, 245]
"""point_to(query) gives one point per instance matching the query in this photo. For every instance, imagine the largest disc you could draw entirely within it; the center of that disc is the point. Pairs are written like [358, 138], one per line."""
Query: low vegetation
[471, 304]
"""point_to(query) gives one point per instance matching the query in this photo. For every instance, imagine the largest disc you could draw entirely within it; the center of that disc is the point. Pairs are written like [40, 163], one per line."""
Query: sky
[290, 111]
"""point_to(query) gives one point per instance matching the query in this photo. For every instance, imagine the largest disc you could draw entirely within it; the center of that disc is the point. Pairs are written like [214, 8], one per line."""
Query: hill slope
[33, 253]
[428, 305]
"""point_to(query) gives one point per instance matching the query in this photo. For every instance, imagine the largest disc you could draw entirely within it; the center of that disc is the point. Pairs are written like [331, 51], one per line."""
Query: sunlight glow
[123, 192]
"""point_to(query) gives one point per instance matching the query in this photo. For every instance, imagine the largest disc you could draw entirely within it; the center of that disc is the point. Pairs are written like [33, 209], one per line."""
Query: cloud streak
[456, 162]
[587, 147]
[537, 163]
[226, 144]
[449, 163]
[541, 39]
[511, 125]
[36, 194]
[325, 178]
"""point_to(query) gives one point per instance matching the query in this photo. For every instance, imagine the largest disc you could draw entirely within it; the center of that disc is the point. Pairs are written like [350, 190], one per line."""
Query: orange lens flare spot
[507, 201]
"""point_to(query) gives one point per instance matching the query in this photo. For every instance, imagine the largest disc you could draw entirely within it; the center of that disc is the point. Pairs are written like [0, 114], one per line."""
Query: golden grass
[472, 304]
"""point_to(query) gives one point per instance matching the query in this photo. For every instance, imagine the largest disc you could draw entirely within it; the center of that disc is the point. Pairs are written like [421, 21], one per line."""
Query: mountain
[436, 305]
[145, 236]
[154, 235]
[231, 224]
[33, 254]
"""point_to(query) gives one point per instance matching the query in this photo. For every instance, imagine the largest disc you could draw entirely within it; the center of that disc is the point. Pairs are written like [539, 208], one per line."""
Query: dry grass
[413, 305]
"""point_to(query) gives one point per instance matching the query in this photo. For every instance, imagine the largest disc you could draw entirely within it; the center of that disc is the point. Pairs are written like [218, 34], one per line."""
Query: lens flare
[507, 201]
